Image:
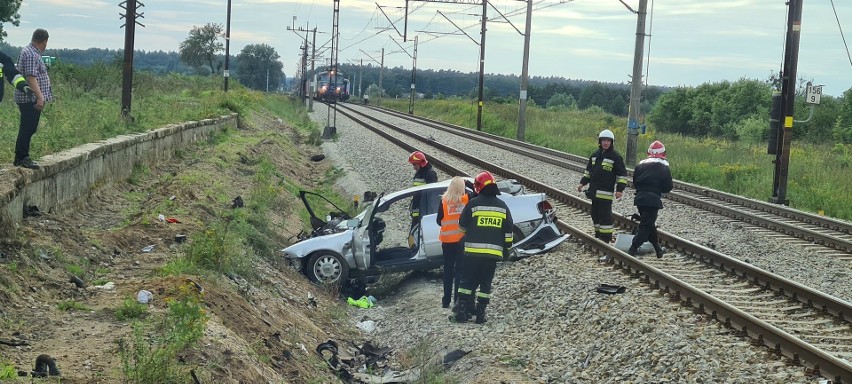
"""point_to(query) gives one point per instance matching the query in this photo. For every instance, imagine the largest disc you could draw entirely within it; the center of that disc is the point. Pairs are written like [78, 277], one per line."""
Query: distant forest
[611, 97]
[737, 110]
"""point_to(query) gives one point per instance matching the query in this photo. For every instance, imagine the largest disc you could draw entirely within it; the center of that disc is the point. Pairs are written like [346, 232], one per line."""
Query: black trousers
[647, 227]
[477, 272]
[27, 128]
[602, 218]
[452, 269]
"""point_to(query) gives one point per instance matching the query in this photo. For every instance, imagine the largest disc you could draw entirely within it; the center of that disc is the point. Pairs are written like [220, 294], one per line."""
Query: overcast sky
[692, 42]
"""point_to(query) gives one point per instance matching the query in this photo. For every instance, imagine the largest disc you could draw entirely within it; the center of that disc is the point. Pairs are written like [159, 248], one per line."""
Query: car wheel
[327, 268]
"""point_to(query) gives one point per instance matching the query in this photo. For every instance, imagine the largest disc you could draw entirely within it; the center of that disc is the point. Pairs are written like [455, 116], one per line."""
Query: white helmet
[606, 134]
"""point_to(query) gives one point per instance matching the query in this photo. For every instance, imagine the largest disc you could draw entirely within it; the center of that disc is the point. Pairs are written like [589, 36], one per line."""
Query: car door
[362, 251]
[430, 203]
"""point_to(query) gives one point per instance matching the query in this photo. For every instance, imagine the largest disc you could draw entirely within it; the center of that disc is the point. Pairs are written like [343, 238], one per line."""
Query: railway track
[835, 235]
[808, 326]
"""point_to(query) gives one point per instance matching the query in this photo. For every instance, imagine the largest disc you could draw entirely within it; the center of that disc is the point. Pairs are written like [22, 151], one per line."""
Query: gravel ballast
[546, 323]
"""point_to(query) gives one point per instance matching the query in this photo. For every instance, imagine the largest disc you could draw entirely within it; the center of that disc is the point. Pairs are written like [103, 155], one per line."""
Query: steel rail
[775, 209]
[782, 342]
[577, 164]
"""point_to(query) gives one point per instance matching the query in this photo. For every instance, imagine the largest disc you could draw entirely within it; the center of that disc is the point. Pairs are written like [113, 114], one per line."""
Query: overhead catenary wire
[839, 27]
[650, 34]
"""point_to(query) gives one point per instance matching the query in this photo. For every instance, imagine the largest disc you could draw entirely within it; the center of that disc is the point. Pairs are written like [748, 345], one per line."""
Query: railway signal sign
[812, 94]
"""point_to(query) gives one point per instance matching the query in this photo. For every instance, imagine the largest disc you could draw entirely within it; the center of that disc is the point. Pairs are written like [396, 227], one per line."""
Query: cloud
[74, 15]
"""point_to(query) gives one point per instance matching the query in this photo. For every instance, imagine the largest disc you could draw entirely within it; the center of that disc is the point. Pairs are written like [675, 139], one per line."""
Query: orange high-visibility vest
[450, 231]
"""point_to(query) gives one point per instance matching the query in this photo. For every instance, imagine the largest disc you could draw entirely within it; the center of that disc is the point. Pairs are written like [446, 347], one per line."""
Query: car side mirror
[352, 223]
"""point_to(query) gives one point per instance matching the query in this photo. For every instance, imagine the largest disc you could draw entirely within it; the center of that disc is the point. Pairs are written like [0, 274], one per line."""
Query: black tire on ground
[327, 268]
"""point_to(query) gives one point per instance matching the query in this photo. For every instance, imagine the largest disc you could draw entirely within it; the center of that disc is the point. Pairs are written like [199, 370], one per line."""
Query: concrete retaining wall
[65, 179]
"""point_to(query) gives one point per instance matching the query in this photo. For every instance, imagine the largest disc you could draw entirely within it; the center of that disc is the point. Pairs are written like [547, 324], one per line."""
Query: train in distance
[332, 88]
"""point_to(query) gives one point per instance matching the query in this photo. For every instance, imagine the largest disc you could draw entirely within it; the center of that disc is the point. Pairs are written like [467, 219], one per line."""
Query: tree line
[736, 110]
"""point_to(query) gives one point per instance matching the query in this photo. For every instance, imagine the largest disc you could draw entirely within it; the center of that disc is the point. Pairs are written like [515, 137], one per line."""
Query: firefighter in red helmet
[423, 174]
[651, 179]
[488, 236]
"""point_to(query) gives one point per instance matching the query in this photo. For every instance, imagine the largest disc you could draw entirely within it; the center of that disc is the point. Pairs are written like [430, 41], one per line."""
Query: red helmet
[481, 180]
[418, 158]
[657, 150]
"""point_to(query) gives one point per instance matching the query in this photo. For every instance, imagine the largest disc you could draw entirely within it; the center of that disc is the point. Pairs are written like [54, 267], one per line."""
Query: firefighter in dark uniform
[487, 225]
[8, 70]
[651, 179]
[607, 178]
[423, 174]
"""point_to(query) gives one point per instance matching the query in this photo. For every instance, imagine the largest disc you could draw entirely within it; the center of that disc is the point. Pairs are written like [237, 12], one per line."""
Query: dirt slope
[258, 332]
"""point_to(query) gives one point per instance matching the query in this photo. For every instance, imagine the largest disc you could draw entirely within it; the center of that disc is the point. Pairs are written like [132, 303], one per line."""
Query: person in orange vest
[449, 210]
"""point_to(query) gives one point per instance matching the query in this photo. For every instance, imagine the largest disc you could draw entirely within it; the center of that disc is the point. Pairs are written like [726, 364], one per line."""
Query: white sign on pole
[813, 93]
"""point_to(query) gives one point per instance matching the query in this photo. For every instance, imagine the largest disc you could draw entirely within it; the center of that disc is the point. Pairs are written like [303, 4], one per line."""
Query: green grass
[87, 106]
[67, 305]
[150, 355]
[130, 309]
[819, 175]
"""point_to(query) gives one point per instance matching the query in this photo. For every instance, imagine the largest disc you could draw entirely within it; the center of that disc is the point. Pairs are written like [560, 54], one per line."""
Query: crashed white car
[381, 238]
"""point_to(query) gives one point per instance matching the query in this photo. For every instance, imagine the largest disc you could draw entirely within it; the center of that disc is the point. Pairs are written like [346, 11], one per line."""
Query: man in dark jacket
[487, 225]
[651, 178]
[606, 175]
[423, 174]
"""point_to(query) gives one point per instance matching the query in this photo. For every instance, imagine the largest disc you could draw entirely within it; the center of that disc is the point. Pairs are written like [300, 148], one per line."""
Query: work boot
[461, 312]
[632, 250]
[445, 302]
[659, 250]
[480, 313]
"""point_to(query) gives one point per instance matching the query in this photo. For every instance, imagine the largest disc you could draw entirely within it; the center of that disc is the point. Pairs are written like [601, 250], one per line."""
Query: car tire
[327, 268]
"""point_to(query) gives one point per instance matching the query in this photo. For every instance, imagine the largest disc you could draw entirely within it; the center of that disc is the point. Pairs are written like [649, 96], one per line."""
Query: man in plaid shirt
[33, 68]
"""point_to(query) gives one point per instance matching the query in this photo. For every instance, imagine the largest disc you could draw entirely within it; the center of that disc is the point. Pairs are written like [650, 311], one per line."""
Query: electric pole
[331, 129]
[227, 72]
[307, 78]
[634, 108]
[130, 22]
[788, 97]
[413, 89]
[522, 99]
[481, 68]
[381, 74]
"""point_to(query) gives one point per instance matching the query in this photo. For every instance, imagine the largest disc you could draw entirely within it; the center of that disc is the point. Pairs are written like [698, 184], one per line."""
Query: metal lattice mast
[331, 116]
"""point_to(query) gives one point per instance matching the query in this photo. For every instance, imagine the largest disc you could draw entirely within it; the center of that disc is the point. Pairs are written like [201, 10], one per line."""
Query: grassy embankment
[86, 110]
[819, 176]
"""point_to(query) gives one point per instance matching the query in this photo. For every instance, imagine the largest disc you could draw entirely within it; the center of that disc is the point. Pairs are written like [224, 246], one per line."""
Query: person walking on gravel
[488, 237]
[452, 203]
[606, 176]
[651, 179]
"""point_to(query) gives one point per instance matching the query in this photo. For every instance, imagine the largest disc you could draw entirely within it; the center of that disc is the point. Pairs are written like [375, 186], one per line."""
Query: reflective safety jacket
[487, 224]
[8, 70]
[605, 173]
[448, 219]
[424, 175]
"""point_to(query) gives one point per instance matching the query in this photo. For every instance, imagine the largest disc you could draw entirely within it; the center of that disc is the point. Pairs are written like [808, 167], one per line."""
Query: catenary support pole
[634, 107]
[788, 97]
[522, 99]
[481, 68]
[226, 73]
